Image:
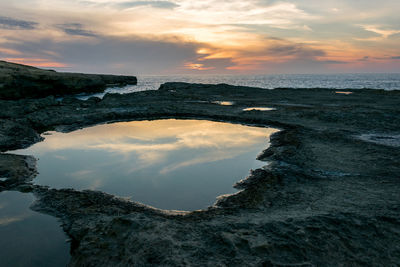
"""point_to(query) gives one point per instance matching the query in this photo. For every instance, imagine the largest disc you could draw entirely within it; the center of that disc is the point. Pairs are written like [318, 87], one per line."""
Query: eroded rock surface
[327, 198]
[21, 81]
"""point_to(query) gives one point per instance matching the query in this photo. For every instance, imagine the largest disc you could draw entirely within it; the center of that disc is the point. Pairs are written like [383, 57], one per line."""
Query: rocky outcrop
[327, 197]
[20, 81]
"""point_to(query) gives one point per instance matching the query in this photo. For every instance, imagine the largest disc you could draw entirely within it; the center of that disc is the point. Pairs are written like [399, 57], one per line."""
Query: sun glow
[37, 62]
[211, 35]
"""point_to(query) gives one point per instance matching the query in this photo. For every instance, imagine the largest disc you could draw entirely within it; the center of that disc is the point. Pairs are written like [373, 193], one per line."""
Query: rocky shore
[329, 196]
[20, 81]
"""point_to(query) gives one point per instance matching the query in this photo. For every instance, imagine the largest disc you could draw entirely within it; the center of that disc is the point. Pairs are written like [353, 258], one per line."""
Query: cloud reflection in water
[171, 164]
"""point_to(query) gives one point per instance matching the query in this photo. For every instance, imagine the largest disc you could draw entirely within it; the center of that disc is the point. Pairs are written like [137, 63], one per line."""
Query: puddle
[29, 238]
[168, 164]
[259, 109]
[343, 93]
[382, 139]
[224, 103]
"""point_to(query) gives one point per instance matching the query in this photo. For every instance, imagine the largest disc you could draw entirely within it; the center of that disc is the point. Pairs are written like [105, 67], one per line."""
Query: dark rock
[327, 197]
[20, 81]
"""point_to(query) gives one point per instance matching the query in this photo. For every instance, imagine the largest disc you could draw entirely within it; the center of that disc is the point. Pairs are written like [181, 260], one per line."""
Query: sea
[386, 81]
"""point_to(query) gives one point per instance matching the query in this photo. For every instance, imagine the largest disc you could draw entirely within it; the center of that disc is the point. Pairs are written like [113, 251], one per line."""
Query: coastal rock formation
[326, 198]
[20, 81]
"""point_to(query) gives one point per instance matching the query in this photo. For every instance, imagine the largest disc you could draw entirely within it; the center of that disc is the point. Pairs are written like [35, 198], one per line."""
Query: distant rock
[21, 81]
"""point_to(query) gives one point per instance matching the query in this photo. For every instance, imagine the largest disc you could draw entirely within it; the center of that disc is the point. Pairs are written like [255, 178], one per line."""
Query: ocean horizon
[385, 81]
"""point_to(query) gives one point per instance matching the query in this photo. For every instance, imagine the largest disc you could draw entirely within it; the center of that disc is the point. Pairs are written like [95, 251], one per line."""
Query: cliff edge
[20, 81]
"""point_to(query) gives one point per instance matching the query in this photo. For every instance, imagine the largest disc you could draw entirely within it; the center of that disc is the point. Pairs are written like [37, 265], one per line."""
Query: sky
[202, 37]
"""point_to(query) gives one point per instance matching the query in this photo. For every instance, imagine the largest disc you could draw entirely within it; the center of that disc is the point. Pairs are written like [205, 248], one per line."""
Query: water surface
[168, 164]
[224, 103]
[259, 109]
[387, 81]
[28, 238]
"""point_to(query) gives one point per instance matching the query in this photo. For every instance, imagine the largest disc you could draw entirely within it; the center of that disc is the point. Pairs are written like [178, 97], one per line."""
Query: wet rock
[17, 134]
[16, 170]
[326, 198]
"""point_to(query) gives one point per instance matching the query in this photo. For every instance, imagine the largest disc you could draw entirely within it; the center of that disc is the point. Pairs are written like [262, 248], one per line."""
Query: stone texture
[20, 81]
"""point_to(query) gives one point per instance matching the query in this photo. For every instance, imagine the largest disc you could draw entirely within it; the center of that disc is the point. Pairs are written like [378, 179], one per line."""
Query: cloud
[110, 54]
[332, 62]
[37, 62]
[295, 50]
[383, 58]
[236, 12]
[267, 51]
[9, 52]
[213, 64]
[155, 4]
[382, 31]
[16, 24]
[365, 58]
[114, 36]
[76, 29]
[130, 4]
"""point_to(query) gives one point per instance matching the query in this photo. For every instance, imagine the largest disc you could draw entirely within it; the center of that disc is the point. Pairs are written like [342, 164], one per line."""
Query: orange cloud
[9, 51]
[37, 62]
[197, 66]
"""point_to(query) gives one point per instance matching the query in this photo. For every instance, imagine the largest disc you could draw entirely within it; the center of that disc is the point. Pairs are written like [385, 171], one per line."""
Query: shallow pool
[28, 238]
[168, 164]
[259, 109]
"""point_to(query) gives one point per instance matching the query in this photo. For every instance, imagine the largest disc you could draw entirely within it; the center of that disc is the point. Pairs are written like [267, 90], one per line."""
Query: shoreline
[322, 183]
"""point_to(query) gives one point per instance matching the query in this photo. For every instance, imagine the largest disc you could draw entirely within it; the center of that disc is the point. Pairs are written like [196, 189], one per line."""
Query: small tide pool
[224, 103]
[168, 164]
[259, 109]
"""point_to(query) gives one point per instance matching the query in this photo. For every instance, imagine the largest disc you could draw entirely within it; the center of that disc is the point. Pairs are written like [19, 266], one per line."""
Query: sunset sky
[208, 36]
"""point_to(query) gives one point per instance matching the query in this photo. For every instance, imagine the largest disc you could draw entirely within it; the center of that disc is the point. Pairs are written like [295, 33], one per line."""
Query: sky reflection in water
[224, 103]
[259, 109]
[168, 164]
[29, 238]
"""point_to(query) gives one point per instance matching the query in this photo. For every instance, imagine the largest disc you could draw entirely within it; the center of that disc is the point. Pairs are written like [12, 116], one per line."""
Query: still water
[259, 109]
[28, 238]
[168, 164]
